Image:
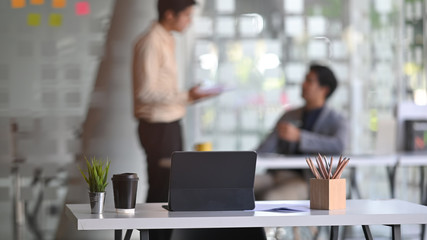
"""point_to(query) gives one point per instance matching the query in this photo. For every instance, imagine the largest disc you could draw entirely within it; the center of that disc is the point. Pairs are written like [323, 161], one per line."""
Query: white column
[110, 129]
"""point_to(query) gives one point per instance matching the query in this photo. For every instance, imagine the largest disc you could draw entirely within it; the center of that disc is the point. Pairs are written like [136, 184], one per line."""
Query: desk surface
[413, 159]
[153, 216]
[276, 161]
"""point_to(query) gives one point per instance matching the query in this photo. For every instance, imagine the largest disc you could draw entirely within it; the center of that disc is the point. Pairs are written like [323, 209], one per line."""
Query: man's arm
[269, 144]
[333, 143]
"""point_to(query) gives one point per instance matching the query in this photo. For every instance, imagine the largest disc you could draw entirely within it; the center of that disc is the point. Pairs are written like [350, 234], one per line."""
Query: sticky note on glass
[34, 19]
[37, 2]
[55, 20]
[17, 3]
[82, 8]
[59, 3]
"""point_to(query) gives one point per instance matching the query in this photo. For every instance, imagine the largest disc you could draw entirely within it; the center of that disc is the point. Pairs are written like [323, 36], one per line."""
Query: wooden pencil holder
[327, 194]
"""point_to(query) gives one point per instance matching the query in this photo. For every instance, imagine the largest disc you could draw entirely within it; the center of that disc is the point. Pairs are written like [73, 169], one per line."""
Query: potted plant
[96, 178]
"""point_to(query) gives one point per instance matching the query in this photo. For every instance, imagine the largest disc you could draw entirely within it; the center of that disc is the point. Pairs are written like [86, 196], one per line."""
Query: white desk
[417, 160]
[277, 161]
[153, 216]
[413, 159]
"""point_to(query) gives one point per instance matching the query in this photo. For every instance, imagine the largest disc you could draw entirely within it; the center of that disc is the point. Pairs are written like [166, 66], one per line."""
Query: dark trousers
[220, 234]
[159, 140]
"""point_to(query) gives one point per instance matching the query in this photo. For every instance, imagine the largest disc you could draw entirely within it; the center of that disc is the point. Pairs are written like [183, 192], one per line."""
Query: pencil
[340, 165]
[320, 169]
[315, 170]
[325, 173]
[345, 164]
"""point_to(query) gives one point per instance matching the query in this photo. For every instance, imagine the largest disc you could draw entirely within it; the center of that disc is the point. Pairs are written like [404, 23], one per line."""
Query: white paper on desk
[282, 208]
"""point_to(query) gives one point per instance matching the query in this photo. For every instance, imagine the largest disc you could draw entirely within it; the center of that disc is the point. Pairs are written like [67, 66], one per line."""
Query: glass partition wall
[259, 52]
[414, 51]
[50, 53]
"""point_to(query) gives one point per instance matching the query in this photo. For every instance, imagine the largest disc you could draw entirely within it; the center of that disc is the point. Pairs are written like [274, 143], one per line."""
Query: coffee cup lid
[125, 176]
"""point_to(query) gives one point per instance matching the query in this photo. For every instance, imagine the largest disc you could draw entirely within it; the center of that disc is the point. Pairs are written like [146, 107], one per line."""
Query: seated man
[308, 130]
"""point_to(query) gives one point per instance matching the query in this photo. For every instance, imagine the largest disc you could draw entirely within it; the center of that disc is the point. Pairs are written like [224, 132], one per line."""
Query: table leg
[422, 190]
[334, 233]
[423, 195]
[144, 234]
[128, 234]
[391, 172]
[423, 232]
[367, 232]
[395, 232]
[118, 234]
[18, 206]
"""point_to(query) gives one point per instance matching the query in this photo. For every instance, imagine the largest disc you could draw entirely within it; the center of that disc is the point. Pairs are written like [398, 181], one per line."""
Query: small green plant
[97, 171]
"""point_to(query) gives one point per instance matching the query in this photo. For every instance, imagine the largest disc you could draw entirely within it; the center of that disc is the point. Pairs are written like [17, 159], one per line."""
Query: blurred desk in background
[278, 161]
[391, 162]
[417, 160]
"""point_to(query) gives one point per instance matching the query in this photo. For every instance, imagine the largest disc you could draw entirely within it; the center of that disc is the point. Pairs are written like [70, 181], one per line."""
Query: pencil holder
[327, 194]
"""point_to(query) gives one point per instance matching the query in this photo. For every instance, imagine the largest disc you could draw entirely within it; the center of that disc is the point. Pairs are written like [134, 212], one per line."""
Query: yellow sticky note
[59, 3]
[55, 20]
[34, 19]
[18, 3]
[37, 2]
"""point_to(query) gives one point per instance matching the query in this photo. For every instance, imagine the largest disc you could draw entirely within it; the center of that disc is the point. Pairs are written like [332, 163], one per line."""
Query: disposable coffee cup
[124, 188]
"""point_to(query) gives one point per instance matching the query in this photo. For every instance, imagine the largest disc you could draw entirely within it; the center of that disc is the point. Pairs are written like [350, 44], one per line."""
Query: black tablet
[212, 181]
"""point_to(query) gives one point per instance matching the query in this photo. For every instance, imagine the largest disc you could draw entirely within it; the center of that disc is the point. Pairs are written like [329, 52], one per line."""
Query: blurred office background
[65, 89]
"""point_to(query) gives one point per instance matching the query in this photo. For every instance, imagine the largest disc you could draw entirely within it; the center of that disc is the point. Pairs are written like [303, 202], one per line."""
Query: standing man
[158, 104]
[311, 129]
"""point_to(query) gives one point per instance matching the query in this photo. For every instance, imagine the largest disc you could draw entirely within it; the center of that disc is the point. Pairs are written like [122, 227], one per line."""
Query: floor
[43, 213]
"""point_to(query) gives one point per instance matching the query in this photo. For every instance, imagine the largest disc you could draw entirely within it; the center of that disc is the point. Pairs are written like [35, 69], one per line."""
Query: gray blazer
[329, 134]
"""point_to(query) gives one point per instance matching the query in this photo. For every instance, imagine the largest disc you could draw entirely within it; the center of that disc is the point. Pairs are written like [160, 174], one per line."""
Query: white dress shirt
[155, 79]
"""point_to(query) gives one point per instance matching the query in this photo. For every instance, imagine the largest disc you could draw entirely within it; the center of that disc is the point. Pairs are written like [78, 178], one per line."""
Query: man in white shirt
[158, 103]
[159, 106]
